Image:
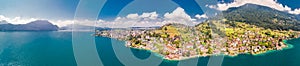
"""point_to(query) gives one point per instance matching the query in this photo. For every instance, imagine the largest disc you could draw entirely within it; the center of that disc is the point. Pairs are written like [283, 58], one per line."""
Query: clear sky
[46, 9]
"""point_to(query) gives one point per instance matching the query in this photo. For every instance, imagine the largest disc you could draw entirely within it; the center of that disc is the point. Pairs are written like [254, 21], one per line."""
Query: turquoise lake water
[55, 49]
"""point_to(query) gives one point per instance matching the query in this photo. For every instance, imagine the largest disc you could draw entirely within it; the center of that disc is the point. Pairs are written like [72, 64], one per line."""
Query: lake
[55, 49]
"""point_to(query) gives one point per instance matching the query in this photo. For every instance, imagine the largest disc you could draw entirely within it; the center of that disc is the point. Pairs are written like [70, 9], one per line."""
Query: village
[176, 42]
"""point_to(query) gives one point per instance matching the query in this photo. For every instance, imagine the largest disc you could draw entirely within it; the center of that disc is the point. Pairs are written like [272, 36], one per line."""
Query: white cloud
[135, 17]
[62, 23]
[203, 16]
[268, 3]
[149, 19]
[178, 15]
[296, 11]
[69, 23]
[132, 16]
[151, 16]
[146, 19]
[17, 20]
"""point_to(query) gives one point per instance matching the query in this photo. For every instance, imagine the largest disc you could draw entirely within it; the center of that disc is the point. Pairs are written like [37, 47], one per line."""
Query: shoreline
[288, 46]
[178, 42]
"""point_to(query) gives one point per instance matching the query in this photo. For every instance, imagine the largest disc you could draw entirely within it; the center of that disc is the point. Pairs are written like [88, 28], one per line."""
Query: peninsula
[178, 41]
[249, 29]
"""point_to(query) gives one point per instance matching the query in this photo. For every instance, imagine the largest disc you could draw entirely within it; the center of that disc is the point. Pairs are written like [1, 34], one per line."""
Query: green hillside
[263, 16]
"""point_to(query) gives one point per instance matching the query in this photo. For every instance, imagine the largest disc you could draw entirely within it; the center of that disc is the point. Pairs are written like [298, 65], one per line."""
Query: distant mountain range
[83, 27]
[38, 25]
[3, 22]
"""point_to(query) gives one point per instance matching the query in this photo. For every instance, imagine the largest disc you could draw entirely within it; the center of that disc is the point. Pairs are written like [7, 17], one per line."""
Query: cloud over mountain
[269, 3]
[20, 20]
[16, 20]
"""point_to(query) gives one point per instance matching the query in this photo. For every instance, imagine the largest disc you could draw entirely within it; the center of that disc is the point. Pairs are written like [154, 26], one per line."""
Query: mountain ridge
[38, 25]
[263, 16]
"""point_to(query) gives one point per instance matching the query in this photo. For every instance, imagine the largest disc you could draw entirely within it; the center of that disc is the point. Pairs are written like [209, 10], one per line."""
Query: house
[190, 45]
[171, 49]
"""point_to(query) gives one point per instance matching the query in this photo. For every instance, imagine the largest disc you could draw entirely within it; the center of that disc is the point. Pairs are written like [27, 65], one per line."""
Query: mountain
[263, 16]
[77, 27]
[3, 22]
[38, 25]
